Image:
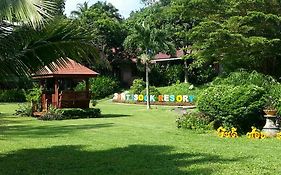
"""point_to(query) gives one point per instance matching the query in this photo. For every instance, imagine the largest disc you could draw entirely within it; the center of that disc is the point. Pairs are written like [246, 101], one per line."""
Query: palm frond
[32, 12]
[25, 50]
[147, 40]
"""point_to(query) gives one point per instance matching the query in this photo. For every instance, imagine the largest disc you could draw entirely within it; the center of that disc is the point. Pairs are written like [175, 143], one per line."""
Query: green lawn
[128, 140]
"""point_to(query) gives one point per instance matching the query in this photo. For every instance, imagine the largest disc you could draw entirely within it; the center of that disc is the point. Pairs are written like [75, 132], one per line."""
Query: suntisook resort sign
[160, 99]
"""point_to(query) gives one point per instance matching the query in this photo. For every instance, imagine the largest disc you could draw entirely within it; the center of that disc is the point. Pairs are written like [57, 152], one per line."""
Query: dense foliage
[233, 106]
[199, 74]
[246, 78]
[152, 91]
[137, 87]
[164, 75]
[14, 95]
[238, 34]
[101, 86]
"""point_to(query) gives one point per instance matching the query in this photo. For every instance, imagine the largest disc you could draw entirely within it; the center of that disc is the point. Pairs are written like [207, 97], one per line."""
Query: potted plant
[270, 107]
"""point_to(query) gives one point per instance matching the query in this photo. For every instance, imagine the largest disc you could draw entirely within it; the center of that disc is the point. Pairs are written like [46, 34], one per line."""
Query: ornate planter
[269, 112]
[270, 128]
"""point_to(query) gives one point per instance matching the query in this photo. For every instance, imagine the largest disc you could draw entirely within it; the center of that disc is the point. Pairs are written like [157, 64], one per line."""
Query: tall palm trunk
[147, 87]
[185, 72]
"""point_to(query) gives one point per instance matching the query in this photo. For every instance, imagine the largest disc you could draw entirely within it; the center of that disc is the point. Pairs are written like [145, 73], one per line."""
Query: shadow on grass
[46, 130]
[114, 115]
[134, 159]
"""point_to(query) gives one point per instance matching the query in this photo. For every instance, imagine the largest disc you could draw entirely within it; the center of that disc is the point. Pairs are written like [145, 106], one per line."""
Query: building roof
[63, 68]
[179, 54]
[162, 57]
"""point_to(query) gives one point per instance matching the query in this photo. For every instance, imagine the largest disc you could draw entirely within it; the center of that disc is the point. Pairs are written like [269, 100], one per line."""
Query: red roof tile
[64, 68]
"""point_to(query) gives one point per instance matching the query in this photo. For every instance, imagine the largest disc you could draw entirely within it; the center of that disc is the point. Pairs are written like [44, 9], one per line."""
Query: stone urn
[270, 129]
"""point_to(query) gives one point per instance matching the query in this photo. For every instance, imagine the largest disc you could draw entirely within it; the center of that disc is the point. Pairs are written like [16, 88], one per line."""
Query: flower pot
[272, 112]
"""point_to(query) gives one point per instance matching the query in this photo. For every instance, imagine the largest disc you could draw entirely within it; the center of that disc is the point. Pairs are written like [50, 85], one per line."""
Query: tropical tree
[107, 31]
[237, 34]
[82, 7]
[147, 42]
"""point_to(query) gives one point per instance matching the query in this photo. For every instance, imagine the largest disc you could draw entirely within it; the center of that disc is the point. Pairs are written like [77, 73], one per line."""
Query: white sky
[125, 6]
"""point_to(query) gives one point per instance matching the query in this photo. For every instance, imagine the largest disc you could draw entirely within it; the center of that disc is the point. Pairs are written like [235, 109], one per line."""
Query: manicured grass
[128, 140]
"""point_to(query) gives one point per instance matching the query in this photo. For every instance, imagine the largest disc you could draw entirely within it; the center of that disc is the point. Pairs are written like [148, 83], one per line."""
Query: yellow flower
[234, 135]
[263, 136]
[220, 129]
[221, 134]
[257, 135]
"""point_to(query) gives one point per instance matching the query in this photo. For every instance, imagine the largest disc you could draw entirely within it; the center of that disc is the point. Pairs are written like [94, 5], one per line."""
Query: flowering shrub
[256, 134]
[222, 132]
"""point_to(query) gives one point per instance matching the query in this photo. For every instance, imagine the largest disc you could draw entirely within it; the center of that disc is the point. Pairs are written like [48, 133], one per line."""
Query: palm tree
[81, 9]
[148, 42]
[23, 48]
[26, 49]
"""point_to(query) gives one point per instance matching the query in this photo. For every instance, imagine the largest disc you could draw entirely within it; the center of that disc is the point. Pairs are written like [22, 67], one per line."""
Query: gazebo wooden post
[56, 93]
[87, 87]
[43, 96]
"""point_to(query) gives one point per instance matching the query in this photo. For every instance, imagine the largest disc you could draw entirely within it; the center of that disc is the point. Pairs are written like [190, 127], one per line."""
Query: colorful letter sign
[153, 98]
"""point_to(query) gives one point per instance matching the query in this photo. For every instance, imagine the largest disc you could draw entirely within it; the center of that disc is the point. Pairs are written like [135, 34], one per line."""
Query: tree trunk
[147, 87]
[185, 72]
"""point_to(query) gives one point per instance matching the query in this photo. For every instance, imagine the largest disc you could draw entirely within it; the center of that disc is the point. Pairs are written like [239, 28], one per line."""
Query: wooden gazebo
[58, 80]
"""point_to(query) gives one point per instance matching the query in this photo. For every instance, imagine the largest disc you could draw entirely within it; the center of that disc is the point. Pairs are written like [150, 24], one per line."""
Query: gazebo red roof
[64, 68]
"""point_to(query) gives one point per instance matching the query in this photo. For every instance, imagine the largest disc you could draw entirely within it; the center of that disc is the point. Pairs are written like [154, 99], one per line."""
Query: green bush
[14, 95]
[137, 87]
[246, 78]
[274, 93]
[34, 94]
[233, 106]
[164, 75]
[152, 91]
[101, 86]
[194, 121]
[199, 74]
[24, 110]
[71, 113]
[178, 88]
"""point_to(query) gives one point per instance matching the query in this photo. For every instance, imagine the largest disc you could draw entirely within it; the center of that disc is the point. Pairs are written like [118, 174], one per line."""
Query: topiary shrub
[233, 106]
[138, 86]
